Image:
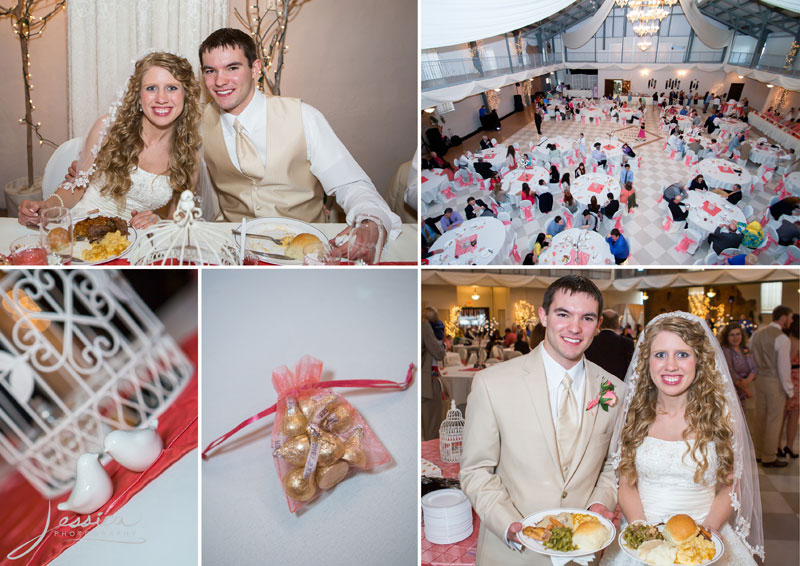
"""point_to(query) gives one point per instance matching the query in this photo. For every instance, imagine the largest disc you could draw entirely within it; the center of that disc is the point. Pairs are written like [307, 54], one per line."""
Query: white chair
[712, 258]
[505, 218]
[473, 359]
[773, 249]
[609, 223]
[452, 359]
[462, 352]
[748, 211]
[58, 164]
[491, 361]
[494, 142]
[482, 355]
[697, 238]
[793, 253]
[497, 352]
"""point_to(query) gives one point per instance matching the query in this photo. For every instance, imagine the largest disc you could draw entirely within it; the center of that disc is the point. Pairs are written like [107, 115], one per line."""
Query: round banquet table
[459, 382]
[565, 145]
[766, 154]
[720, 173]
[591, 112]
[793, 183]
[594, 185]
[674, 109]
[479, 241]
[512, 183]
[684, 122]
[733, 126]
[495, 155]
[577, 246]
[612, 149]
[627, 113]
[434, 181]
[708, 211]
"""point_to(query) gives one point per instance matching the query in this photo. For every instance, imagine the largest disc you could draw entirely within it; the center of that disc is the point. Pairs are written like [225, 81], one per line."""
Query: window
[771, 294]
[445, 107]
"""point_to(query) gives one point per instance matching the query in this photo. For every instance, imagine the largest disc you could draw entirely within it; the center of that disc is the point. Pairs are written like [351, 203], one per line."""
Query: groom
[530, 444]
[272, 155]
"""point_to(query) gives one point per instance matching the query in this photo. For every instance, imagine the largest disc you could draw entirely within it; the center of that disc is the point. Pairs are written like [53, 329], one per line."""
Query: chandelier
[644, 44]
[645, 15]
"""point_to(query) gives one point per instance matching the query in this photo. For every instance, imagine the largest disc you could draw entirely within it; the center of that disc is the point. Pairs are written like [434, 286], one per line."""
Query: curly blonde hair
[119, 154]
[706, 415]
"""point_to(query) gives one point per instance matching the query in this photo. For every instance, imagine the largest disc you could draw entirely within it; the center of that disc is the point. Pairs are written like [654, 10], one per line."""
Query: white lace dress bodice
[148, 192]
[666, 487]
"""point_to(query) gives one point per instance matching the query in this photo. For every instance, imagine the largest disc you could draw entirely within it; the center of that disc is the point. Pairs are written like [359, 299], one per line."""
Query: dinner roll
[295, 248]
[590, 535]
[679, 529]
[657, 552]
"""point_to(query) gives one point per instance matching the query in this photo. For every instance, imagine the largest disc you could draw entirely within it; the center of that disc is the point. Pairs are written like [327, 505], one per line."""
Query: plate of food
[679, 541]
[282, 237]
[566, 532]
[99, 239]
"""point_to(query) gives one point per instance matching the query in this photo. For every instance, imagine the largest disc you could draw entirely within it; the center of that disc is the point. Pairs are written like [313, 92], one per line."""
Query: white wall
[711, 82]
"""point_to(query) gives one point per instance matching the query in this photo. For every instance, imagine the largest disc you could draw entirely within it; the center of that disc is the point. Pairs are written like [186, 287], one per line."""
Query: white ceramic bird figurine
[92, 486]
[136, 450]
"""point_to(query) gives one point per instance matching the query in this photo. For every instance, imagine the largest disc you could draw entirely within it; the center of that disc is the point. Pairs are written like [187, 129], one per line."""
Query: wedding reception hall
[475, 323]
[613, 132]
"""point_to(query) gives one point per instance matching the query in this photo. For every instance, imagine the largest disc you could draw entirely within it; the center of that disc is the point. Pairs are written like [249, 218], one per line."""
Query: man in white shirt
[275, 156]
[716, 104]
[770, 347]
[530, 443]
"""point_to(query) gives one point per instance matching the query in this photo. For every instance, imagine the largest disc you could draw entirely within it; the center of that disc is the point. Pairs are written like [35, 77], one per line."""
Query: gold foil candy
[354, 450]
[329, 476]
[338, 419]
[308, 406]
[295, 450]
[330, 448]
[297, 487]
[293, 422]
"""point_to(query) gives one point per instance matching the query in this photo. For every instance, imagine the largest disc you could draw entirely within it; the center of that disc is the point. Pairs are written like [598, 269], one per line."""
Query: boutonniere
[607, 398]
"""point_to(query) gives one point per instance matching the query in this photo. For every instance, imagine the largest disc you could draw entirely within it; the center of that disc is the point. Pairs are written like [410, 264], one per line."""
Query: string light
[525, 314]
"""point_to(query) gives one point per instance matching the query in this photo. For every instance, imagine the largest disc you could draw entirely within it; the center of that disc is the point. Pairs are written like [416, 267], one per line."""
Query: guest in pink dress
[642, 134]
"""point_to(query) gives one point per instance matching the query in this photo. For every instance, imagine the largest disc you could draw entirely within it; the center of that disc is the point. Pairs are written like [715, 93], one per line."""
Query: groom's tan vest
[763, 346]
[288, 188]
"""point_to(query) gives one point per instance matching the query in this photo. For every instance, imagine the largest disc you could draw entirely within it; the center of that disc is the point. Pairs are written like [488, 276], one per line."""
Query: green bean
[561, 540]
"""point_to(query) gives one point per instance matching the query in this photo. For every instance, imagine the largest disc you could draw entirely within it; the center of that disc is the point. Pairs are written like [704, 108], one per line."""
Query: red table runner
[25, 510]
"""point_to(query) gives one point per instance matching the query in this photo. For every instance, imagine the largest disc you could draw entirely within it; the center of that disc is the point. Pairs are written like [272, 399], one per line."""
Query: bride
[142, 154]
[681, 443]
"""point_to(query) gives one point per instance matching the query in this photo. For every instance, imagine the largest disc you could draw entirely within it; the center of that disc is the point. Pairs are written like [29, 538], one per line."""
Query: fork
[258, 236]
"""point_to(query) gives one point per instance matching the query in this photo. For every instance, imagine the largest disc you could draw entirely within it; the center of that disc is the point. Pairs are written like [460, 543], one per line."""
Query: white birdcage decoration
[80, 355]
[451, 435]
[185, 240]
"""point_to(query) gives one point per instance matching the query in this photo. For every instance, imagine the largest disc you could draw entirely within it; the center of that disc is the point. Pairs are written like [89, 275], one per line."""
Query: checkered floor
[649, 243]
[780, 513]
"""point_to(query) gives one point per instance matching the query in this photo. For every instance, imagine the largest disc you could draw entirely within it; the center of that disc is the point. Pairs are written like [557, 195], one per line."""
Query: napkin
[466, 244]
[583, 258]
[595, 188]
[490, 156]
[712, 209]
[424, 179]
[525, 177]
[725, 169]
[560, 561]
[430, 469]
[609, 147]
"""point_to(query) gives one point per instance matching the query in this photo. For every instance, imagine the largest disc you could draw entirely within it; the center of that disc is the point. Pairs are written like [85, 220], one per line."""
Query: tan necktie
[249, 161]
[567, 430]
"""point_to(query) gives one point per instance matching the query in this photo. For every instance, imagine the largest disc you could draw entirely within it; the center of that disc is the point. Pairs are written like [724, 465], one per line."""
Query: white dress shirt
[782, 347]
[331, 163]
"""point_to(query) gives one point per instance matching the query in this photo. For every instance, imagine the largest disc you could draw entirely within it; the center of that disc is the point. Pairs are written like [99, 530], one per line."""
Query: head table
[401, 251]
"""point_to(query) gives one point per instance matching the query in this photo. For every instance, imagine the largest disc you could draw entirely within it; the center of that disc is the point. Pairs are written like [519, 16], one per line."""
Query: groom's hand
[601, 509]
[28, 214]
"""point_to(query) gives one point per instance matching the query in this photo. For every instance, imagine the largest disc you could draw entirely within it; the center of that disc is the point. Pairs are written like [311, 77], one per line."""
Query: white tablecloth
[565, 145]
[459, 381]
[731, 125]
[766, 155]
[512, 183]
[495, 155]
[780, 135]
[591, 112]
[684, 122]
[577, 246]
[626, 113]
[434, 181]
[586, 186]
[793, 183]
[717, 178]
[701, 205]
[578, 93]
[612, 149]
[490, 239]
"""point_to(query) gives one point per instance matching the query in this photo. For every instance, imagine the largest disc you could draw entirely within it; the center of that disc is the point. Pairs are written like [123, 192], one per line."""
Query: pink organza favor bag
[318, 438]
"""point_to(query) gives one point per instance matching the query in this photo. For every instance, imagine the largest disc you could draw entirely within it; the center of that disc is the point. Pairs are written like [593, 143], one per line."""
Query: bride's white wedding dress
[666, 486]
[148, 192]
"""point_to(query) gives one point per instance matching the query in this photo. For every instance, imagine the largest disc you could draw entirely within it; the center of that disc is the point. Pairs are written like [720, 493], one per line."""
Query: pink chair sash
[672, 154]
[494, 209]
[667, 225]
[527, 212]
[515, 254]
[448, 193]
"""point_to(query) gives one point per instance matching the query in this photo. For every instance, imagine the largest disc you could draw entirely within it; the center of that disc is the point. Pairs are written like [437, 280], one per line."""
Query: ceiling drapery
[708, 33]
[791, 5]
[451, 22]
[579, 37]
[678, 279]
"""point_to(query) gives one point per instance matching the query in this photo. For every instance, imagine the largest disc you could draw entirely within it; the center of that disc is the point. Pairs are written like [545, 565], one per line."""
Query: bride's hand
[513, 530]
[29, 212]
[601, 509]
[141, 220]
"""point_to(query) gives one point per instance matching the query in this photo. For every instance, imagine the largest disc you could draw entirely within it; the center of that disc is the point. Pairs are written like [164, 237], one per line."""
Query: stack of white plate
[448, 516]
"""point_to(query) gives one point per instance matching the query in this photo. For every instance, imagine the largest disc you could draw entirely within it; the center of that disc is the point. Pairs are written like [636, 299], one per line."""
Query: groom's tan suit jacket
[510, 465]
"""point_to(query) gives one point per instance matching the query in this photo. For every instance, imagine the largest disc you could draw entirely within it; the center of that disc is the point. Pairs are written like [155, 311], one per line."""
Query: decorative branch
[27, 26]
[268, 28]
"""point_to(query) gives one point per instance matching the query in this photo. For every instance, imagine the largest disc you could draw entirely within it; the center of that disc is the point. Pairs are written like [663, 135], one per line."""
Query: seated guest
[741, 259]
[610, 207]
[626, 176]
[484, 169]
[521, 345]
[672, 140]
[674, 190]
[698, 184]
[752, 234]
[511, 158]
[715, 148]
[679, 210]
[440, 163]
[477, 208]
[545, 202]
[788, 232]
[589, 220]
[555, 226]
[789, 205]
[680, 146]
[497, 181]
[554, 154]
[733, 196]
[530, 259]
[526, 193]
[695, 147]
[451, 219]
[627, 153]
[540, 243]
[554, 176]
[501, 196]
[619, 246]
[599, 156]
[508, 339]
[569, 202]
[581, 170]
[627, 196]
[709, 124]
[486, 143]
[725, 237]
[565, 182]
[593, 205]
[683, 111]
